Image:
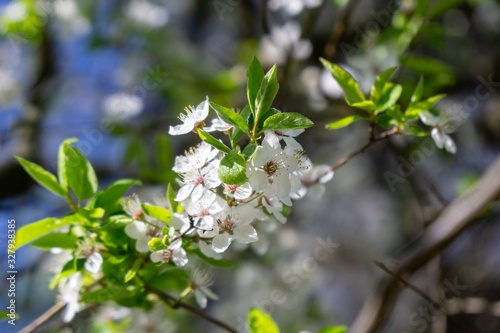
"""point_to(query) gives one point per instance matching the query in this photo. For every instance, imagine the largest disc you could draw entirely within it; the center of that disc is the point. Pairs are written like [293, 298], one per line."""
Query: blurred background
[117, 73]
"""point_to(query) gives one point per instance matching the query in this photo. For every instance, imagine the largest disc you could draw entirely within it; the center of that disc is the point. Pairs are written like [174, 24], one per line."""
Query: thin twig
[174, 303]
[339, 30]
[360, 150]
[43, 318]
[451, 223]
[421, 293]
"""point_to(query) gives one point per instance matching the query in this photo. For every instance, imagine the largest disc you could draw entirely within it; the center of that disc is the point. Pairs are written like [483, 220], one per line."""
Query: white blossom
[174, 252]
[192, 119]
[70, 295]
[198, 171]
[93, 263]
[200, 283]
[274, 172]
[438, 133]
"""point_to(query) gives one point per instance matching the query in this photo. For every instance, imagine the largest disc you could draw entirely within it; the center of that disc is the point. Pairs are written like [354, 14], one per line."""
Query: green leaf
[229, 116]
[232, 169]
[379, 84]
[417, 131]
[32, 231]
[414, 109]
[267, 93]
[42, 176]
[208, 138]
[260, 322]
[79, 172]
[389, 97]
[61, 163]
[286, 121]
[174, 205]
[348, 84]
[333, 329]
[417, 94]
[170, 279]
[249, 150]
[56, 239]
[157, 212]
[220, 263]
[107, 198]
[255, 75]
[112, 293]
[343, 122]
[156, 244]
[365, 105]
[246, 114]
[133, 270]
[71, 267]
[427, 65]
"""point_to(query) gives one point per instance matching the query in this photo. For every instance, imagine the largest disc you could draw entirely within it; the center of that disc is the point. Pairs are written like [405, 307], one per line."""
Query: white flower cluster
[215, 214]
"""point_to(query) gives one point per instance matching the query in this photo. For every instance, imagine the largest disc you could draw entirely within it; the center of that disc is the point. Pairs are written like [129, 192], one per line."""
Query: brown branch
[174, 303]
[360, 150]
[43, 318]
[339, 30]
[451, 223]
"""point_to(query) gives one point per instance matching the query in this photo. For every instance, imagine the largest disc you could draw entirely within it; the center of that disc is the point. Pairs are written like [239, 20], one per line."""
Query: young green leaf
[133, 270]
[111, 195]
[42, 176]
[61, 160]
[417, 94]
[333, 329]
[414, 109]
[232, 169]
[255, 75]
[174, 205]
[379, 84]
[343, 122]
[32, 231]
[249, 150]
[157, 212]
[230, 117]
[364, 105]
[260, 322]
[208, 138]
[79, 172]
[286, 121]
[348, 84]
[266, 94]
[106, 294]
[56, 239]
[389, 97]
[246, 114]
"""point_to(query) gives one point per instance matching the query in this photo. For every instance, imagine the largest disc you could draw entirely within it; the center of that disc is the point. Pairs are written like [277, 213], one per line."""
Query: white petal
[202, 110]
[93, 263]
[156, 256]
[428, 118]
[201, 299]
[207, 250]
[184, 192]
[136, 229]
[181, 129]
[141, 244]
[449, 144]
[316, 191]
[245, 234]
[197, 193]
[209, 293]
[437, 136]
[221, 242]
[243, 192]
[179, 257]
